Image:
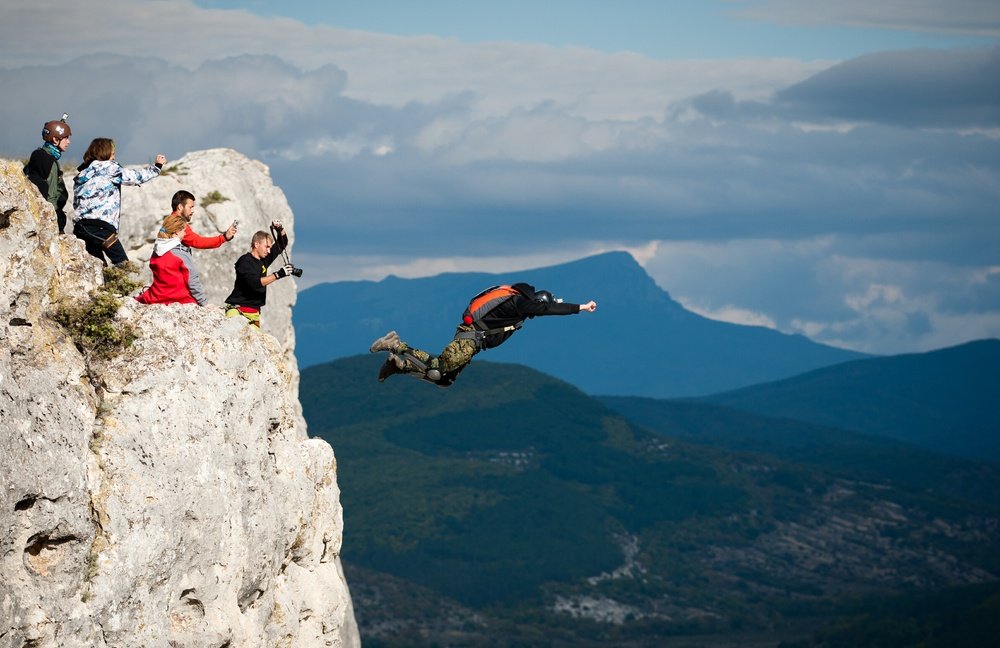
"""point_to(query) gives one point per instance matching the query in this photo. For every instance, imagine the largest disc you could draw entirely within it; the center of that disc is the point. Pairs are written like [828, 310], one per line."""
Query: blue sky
[830, 169]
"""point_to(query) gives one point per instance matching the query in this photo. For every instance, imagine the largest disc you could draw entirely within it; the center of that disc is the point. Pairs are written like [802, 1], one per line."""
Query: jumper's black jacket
[517, 309]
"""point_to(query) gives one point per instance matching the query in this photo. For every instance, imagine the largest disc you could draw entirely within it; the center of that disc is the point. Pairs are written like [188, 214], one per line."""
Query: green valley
[513, 509]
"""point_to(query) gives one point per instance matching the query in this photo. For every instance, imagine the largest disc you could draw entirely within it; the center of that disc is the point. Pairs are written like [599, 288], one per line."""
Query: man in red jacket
[183, 205]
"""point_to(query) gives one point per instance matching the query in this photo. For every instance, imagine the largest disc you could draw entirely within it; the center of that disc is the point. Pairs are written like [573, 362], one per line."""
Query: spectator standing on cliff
[43, 168]
[250, 288]
[175, 277]
[97, 198]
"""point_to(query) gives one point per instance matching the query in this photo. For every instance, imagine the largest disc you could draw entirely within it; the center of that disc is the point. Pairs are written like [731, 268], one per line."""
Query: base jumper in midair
[491, 318]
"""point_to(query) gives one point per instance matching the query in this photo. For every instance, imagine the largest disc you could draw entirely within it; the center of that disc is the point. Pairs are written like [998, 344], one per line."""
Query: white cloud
[389, 70]
[876, 293]
[888, 306]
[343, 148]
[731, 314]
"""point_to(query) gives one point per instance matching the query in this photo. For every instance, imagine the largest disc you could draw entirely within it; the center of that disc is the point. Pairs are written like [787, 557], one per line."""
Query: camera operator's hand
[280, 237]
[284, 271]
[231, 232]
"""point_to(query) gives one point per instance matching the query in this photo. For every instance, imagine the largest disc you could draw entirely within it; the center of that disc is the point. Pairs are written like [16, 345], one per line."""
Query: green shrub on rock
[91, 322]
[119, 281]
[213, 197]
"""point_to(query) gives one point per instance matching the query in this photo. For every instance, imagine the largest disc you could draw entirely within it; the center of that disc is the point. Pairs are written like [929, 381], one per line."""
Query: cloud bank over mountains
[854, 201]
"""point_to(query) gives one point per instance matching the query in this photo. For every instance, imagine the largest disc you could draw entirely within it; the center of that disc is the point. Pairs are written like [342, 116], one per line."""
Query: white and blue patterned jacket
[97, 189]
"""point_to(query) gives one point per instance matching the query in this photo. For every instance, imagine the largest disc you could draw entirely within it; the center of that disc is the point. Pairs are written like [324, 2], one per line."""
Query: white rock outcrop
[245, 192]
[169, 496]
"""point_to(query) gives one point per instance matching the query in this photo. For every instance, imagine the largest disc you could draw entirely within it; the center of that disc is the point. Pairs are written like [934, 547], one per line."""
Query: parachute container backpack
[484, 302]
[480, 307]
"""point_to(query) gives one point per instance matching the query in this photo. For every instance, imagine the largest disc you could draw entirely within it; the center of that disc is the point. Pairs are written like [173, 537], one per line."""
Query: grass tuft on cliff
[92, 323]
[212, 198]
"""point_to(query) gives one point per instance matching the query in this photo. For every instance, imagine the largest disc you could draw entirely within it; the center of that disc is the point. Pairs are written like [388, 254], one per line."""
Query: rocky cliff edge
[169, 494]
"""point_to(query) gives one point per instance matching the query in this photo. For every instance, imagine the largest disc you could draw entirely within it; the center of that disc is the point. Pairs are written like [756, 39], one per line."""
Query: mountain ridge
[943, 399]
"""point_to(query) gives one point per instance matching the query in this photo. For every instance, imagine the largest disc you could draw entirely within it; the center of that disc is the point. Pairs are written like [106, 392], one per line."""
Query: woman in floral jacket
[97, 198]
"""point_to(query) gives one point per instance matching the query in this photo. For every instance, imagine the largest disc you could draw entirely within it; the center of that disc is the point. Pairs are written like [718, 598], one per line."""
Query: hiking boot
[388, 342]
[392, 366]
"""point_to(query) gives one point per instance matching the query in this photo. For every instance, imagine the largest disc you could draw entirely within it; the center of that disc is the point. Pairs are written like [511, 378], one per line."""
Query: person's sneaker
[387, 342]
[392, 366]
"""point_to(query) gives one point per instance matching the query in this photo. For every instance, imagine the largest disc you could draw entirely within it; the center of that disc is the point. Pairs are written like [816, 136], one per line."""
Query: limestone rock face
[168, 496]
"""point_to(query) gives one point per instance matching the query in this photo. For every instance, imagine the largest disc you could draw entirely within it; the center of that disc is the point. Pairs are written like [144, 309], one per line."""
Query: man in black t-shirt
[250, 290]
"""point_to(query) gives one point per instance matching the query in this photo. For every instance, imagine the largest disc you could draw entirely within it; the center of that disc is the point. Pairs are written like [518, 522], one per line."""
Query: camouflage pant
[455, 356]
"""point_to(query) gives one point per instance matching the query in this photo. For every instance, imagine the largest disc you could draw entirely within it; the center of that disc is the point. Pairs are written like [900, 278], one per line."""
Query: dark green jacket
[44, 172]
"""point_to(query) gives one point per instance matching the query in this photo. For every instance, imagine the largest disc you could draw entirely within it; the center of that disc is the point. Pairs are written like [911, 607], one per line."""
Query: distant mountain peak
[616, 260]
[615, 273]
[613, 276]
[612, 258]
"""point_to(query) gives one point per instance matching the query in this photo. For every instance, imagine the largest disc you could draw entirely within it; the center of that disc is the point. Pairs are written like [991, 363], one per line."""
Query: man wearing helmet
[491, 318]
[43, 167]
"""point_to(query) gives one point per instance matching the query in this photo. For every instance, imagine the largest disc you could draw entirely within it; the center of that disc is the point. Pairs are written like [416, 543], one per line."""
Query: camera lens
[297, 272]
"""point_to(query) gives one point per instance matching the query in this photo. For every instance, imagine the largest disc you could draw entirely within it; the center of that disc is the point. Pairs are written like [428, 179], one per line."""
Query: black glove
[284, 271]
